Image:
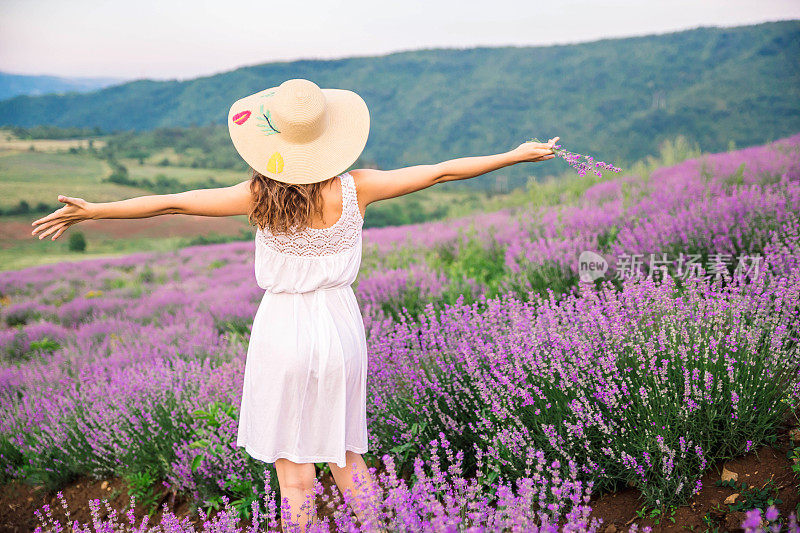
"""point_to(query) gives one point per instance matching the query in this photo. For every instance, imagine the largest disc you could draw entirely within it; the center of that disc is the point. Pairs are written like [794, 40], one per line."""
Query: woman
[303, 400]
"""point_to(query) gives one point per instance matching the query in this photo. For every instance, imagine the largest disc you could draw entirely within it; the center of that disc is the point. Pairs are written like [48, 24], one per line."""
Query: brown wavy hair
[284, 207]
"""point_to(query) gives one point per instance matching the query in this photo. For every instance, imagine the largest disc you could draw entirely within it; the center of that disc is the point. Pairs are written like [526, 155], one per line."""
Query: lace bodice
[342, 236]
[314, 259]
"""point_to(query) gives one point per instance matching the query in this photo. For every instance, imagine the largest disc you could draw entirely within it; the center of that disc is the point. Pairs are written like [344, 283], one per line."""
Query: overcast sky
[164, 39]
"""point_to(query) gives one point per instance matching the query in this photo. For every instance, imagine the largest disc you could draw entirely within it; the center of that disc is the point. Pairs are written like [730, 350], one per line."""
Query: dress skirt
[304, 392]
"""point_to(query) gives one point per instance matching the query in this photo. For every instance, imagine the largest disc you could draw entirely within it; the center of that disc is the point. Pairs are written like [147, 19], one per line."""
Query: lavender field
[505, 387]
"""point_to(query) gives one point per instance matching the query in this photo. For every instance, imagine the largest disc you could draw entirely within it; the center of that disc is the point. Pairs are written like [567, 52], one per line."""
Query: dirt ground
[19, 501]
[768, 466]
[704, 512]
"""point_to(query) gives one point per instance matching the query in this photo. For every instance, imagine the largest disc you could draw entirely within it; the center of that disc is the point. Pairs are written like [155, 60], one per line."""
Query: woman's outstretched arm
[219, 202]
[374, 185]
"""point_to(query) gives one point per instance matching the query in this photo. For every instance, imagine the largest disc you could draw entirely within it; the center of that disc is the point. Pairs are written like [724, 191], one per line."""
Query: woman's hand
[535, 152]
[57, 222]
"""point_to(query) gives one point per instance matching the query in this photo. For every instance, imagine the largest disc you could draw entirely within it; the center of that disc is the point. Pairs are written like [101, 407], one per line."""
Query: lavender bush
[642, 386]
[439, 500]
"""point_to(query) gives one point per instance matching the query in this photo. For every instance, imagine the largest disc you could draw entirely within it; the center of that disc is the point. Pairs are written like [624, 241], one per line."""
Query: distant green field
[19, 249]
[40, 177]
[187, 175]
[46, 167]
[35, 252]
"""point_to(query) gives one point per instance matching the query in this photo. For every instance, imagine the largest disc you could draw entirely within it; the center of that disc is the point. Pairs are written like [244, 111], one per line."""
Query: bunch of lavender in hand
[581, 163]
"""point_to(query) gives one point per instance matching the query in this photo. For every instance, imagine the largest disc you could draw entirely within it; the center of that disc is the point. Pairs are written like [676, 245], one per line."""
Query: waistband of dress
[325, 289]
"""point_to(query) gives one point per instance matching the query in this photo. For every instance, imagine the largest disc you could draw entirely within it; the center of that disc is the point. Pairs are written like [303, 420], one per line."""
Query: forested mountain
[614, 98]
[24, 84]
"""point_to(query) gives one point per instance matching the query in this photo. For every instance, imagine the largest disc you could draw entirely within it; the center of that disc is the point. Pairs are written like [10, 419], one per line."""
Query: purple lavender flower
[581, 163]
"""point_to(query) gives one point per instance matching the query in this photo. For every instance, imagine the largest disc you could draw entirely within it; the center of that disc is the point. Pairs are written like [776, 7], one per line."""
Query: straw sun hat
[298, 133]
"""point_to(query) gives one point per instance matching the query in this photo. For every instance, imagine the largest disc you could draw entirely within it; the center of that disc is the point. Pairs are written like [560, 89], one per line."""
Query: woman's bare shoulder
[365, 180]
[361, 180]
[363, 173]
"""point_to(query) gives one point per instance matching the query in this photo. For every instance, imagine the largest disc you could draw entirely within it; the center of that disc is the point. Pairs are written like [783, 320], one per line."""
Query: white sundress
[305, 377]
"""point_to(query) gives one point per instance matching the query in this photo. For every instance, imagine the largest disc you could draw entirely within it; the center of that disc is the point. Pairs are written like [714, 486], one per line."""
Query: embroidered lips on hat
[298, 133]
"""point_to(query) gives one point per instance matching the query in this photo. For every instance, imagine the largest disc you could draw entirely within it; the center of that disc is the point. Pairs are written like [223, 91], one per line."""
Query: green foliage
[239, 488]
[211, 419]
[44, 345]
[196, 147]
[399, 213]
[119, 174]
[474, 263]
[49, 131]
[114, 283]
[737, 178]
[24, 208]
[474, 260]
[213, 238]
[235, 326]
[162, 184]
[21, 316]
[752, 497]
[20, 350]
[141, 485]
[12, 457]
[407, 450]
[671, 151]
[539, 279]
[658, 514]
[794, 456]
[77, 242]
[436, 104]
[464, 266]
[607, 238]
[146, 275]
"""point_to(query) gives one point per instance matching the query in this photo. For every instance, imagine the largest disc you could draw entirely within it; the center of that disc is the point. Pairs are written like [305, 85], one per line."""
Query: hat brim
[326, 156]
